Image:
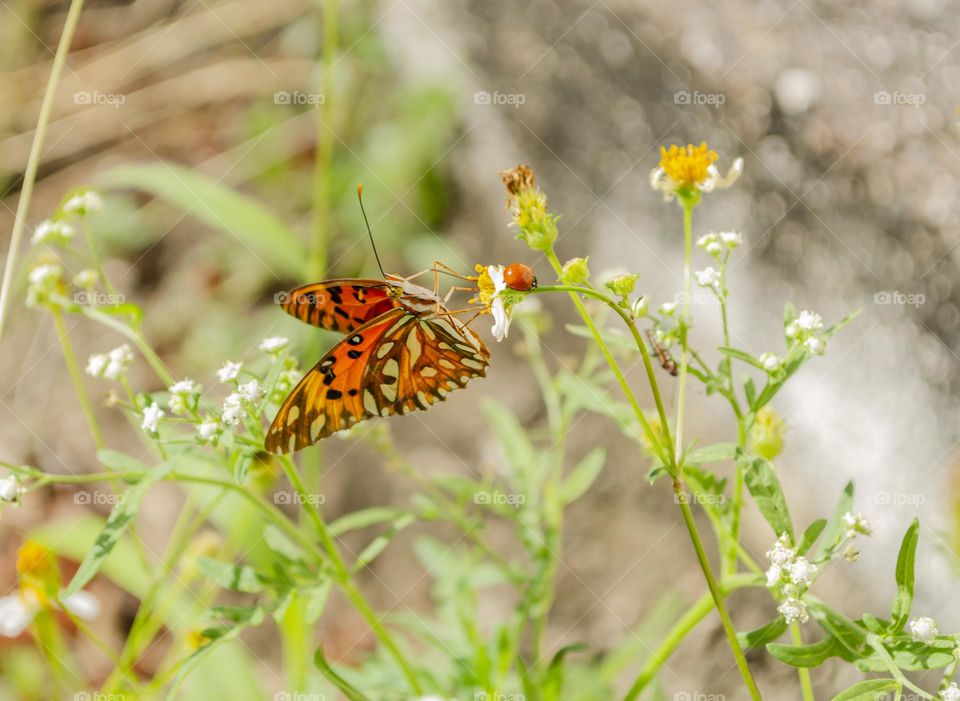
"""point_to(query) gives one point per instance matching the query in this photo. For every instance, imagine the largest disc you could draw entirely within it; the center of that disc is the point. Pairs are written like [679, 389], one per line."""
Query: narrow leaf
[765, 487]
[869, 690]
[903, 600]
[583, 475]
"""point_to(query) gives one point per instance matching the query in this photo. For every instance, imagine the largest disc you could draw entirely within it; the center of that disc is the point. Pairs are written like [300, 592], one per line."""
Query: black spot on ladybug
[334, 394]
[354, 354]
[355, 340]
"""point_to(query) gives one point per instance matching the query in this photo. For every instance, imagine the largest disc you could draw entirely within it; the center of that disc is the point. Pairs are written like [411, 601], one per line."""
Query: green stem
[683, 627]
[77, 378]
[33, 160]
[806, 687]
[715, 592]
[136, 338]
[685, 319]
[343, 576]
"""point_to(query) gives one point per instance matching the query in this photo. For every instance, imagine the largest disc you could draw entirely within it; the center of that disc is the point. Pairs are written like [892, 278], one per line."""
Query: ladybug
[519, 277]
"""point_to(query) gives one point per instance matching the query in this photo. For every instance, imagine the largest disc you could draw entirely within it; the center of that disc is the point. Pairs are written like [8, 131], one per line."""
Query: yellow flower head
[687, 166]
[39, 575]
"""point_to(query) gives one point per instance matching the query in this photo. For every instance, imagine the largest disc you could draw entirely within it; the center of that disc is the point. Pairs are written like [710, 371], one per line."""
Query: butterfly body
[402, 352]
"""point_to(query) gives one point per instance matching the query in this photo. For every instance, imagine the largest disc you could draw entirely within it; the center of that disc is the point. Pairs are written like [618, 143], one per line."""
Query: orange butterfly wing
[339, 305]
[395, 363]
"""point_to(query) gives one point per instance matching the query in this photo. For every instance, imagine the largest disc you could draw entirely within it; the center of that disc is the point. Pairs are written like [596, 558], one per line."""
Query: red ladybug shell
[519, 277]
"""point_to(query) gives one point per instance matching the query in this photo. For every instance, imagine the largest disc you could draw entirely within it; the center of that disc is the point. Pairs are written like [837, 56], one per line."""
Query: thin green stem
[717, 595]
[136, 338]
[680, 630]
[806, 687]
[77, 378]
[685, 319]
[33, 160]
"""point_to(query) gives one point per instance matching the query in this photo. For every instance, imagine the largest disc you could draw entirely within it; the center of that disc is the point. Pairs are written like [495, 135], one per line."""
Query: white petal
[83, 605]
[501, 322]
[14, 616]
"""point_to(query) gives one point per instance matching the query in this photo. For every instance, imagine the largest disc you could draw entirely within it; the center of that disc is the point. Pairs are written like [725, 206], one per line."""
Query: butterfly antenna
[369, 232]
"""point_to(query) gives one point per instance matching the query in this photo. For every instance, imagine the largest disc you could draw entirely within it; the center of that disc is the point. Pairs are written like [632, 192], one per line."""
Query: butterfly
[402, 351]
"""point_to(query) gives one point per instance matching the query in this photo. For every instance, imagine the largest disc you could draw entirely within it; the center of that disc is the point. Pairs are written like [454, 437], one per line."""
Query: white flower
[815, 345]
[10, 488]
[923, 629]
[809, 321]
[207, 429]
[708, 277]
[770, 362]
[773, 575]
[151, 417]
[229, 371]
[16, 613]
[86, 279]
[781, 554]
[44, 280]
[668, 308]
[232, 410]
[180, 394]
[794, 610]
[951, 693]
[663, 183]
[52, 232]
[856, 524]
[731, 239]
[96, 364]
[251, 391]
[802, 571]
[501, 318]
[274, 344]
[119, 360]
[86, 202]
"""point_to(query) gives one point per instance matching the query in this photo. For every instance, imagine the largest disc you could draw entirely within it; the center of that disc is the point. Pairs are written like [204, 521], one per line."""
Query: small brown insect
[666, 360]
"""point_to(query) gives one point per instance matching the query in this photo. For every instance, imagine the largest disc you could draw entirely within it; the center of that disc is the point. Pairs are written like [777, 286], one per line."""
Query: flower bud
[766, 434]
[575, 271]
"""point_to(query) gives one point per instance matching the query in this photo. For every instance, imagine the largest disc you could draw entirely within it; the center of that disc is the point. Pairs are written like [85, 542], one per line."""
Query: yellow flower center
[39, 575]
[687, 165]
[485, 287]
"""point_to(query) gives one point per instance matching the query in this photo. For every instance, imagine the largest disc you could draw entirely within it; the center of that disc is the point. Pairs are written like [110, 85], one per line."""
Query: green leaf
[763, 635]
[348, 690]
[869, 690]
[578, 481]
[903, 600]
[379, 544]
[833, 533]
[750, 391]
[553, 684]
[851, 636]
[810, 535]
[119, 462]
[364, 519]
[221, 208]
[241, 466]
[513, 439]
[765, 487]
[806, 656]
[718, 452]
[281, 545]
[230, 576]
[122, 514]
[911, 655]
[741, 355]
[831, 330]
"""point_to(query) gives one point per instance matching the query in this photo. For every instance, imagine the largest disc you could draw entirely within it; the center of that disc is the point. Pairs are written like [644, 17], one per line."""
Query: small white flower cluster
[717, 244]
[10, 489]
[234, 406]
[53, 233]
[43, 281]
[923, 629]
[770, 362]
[951, 693]
[805, 330]
[183, 396]
[112, 365]
[791, 575]
[151, 418]
[709, 277]
[229, 371]
[854, 524]
[86, 279]
[273, 345]
[83, 203]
